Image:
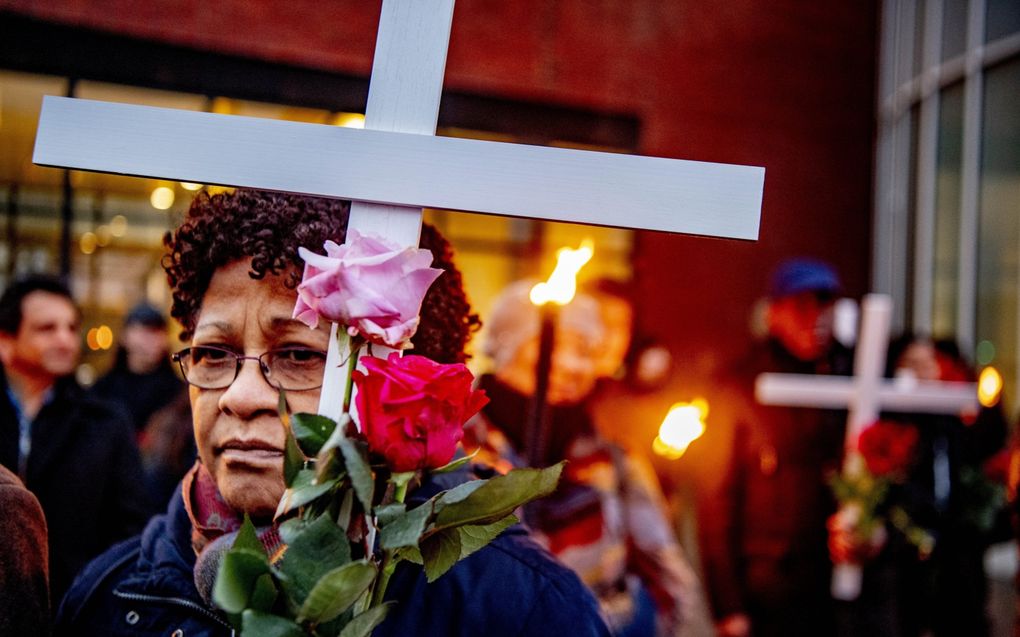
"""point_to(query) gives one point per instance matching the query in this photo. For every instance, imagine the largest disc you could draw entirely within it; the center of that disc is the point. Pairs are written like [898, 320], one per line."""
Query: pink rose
[368, 285]
[413, 410]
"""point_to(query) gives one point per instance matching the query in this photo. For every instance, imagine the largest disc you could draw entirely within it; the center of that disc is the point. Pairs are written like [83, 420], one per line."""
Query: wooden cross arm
[840, 392]
[402, 169]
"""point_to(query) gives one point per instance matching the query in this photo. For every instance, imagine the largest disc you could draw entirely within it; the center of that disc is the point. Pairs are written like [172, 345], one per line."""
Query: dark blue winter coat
[512, 587]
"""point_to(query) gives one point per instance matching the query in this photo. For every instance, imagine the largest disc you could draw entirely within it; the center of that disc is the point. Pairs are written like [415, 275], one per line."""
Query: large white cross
[397, 165]
[865, 394]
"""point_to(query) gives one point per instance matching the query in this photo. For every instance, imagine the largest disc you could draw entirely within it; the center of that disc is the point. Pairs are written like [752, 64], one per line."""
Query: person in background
[947, 493]
[142, 379]
[24, 563]
[607, 521]
[763, 521]
[76, 453]
[168, 449]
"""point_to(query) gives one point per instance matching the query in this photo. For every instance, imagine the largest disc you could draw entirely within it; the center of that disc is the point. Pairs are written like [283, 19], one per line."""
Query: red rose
[413, 410]
[887, 447]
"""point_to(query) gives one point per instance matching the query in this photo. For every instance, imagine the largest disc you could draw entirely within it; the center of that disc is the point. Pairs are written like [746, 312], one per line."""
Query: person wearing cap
[763, 520]
[142, 379]
[74, 452]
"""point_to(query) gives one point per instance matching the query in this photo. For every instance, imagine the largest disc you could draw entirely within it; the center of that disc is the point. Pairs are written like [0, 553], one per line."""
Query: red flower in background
[887, 447]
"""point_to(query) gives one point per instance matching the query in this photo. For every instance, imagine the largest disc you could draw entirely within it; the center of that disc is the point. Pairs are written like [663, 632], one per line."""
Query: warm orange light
[104, 337]
[562, 283]
[684, 424]
[989, 386]
[118, 225]
[349, 120]
[162, 198]
[90, 339]
[88, 242]
[188, 185]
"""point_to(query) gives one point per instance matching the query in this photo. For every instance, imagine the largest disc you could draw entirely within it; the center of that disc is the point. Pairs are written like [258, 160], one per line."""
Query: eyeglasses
[290, 368]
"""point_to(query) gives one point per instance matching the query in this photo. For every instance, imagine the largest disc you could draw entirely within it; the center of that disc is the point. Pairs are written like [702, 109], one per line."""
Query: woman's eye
[300, 355]
[209, 355]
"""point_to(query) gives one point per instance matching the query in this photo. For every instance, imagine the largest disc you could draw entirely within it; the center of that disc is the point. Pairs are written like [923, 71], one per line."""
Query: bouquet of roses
[858, 530]
[343, 522]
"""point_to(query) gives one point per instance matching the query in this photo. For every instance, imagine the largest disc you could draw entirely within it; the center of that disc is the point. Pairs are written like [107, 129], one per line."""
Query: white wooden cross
[865, 394]
[397, 165]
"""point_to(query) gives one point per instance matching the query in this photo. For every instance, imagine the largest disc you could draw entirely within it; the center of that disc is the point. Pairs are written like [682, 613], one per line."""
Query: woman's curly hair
[268, 228]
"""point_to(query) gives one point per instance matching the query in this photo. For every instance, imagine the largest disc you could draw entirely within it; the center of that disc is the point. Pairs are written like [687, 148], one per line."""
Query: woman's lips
[255, 452]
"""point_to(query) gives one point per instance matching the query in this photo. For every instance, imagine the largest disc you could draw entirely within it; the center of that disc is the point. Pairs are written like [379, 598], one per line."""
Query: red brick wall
[785, 84]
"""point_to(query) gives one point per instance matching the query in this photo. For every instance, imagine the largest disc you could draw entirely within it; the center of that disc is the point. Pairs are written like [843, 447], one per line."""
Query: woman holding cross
[233, 267]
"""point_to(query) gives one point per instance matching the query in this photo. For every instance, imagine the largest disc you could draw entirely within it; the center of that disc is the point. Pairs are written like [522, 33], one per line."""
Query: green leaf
[457, 494]
[386, 513]
[474, 537]
[453, 465]
[440, 551]
[329, 466]
[336, 591]
[303, 490]
[313, 549]
[311, 431]
[411, 554]
[263, 596]
[362, 625]
[259, 624]
[498, 497]
[236, 579]
[338, 434]
[291, 528]
[248, 538]
[406, 529]
[359, 471]
[293, 460]
[282, 409]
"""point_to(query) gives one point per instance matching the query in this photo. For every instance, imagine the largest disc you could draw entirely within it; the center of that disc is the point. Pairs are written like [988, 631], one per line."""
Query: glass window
[919, 20]
[999, 218]
[954, 28]
[945, 289]
[1002, 19]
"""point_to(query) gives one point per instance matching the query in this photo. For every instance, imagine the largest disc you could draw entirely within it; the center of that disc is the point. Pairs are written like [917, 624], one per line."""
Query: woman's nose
[250, 394]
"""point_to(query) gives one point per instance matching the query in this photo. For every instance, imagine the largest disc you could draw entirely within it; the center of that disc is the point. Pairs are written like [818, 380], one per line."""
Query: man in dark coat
[75, 453]
[763, 523]
[142, 379]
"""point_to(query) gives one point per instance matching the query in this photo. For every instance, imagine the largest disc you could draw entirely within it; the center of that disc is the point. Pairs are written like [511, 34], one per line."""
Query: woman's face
[238, 432]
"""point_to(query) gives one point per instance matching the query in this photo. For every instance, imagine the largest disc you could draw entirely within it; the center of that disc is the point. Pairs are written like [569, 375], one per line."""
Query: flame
[562, 283]
[684, 424]
[989, 386]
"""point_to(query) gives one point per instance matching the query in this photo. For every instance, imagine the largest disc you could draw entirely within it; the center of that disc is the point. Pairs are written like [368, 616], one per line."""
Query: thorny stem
[355, 346]
[389, 564]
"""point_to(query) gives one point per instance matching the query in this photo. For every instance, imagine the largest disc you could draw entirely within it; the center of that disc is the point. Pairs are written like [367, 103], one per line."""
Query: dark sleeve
[719, 522]
[24, 590]
[564, 607]
[127, 504]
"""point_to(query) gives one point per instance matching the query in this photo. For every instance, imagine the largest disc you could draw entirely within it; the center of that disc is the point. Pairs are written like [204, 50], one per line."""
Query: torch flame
[562, 283]
[684, 424]
[989, 386]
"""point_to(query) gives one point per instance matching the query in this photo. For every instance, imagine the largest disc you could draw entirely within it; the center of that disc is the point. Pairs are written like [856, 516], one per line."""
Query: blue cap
[803, 275]
[146, 315]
